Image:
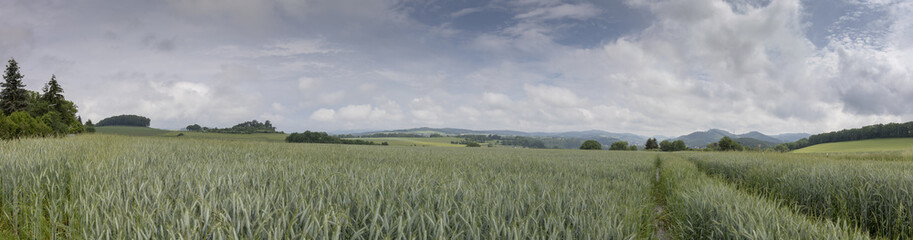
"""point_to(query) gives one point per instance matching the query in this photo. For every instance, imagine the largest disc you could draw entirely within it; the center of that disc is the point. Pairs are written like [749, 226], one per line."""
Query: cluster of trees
[526, 142]
[25, 113]
[591, 145]
[248, 127]
[481, 138]
[124, 120]
[651, 144]
[673, 146]
[322, 137]
[727, 144]
[622, 146]
[785, 147]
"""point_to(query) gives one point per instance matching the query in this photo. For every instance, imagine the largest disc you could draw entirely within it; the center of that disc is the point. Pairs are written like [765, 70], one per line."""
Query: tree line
[248, 127]
[889, 130]
[26, 113]
[526, 142]
[322, 137]
[725, 144]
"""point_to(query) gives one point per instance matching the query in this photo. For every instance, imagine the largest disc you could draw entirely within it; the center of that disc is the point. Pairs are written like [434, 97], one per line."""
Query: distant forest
[890, 130]
[322, 137]
[248, 127]
[527, 142]
[124, 120]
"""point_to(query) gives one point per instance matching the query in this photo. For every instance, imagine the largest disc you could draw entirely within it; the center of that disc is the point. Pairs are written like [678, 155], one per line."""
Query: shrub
[591, 145]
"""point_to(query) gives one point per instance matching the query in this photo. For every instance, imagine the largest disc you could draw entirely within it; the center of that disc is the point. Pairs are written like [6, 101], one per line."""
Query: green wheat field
[100, 186]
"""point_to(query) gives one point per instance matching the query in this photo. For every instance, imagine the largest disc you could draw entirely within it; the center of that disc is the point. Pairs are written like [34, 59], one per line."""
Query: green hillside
[145, 132]
[130, 131]
[256, 137]
[871, 145]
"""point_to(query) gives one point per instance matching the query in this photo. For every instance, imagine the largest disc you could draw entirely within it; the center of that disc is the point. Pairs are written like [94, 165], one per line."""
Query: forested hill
[890, 130]
[124, 120]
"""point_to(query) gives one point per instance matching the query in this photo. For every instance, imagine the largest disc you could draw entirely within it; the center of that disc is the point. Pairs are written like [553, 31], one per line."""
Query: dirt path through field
[660, 221]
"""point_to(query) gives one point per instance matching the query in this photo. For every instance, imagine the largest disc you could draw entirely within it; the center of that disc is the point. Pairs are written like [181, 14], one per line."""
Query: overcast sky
[640, 66]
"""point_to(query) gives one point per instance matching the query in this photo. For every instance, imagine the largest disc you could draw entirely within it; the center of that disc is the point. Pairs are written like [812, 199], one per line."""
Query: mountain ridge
[696, 139]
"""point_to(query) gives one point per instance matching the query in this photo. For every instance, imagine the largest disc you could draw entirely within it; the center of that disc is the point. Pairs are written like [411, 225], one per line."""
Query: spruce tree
[14, 96]
[53, 94]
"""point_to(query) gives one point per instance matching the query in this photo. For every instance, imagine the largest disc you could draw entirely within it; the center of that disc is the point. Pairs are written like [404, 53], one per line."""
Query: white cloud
[354, 112]
[552, 96]
[278, 107]
[324, 115]
[426, 111]
[361, 113]
[297, 47]
[497, 99]
[306, 84]
[574, 11]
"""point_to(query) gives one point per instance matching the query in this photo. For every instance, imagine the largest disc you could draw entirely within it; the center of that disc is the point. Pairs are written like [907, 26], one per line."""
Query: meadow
[418, 142]
[870, 145]
[106, 186]
[874, 195]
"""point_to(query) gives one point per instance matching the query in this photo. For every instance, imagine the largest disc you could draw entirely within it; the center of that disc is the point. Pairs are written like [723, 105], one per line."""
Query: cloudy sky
[640, 66]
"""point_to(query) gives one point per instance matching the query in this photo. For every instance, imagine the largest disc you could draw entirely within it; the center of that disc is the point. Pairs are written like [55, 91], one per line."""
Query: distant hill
[791, 137]
[701, 139]
[557, 139]
[608, 137]
[573, 139]
[751, 142]
[761, 137]
[753, 138]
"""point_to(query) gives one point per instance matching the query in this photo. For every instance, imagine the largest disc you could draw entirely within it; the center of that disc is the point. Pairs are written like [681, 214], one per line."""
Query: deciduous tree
[591, 145]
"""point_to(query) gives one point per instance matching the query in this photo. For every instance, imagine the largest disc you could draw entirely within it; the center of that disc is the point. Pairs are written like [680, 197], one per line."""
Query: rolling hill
[130, 131]
[603, 137]
[565, 139]
[753, 138]
[791, 137]
[870, 145]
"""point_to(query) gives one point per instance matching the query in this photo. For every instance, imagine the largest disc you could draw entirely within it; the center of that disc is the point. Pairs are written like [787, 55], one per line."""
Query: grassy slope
[268, 137]
[433, 142]
[256, 137]
[871, 145]
[144, 131]
[130, 131]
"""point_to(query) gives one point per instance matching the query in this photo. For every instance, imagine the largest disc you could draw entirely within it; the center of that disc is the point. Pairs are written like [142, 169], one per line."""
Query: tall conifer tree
[14, 97]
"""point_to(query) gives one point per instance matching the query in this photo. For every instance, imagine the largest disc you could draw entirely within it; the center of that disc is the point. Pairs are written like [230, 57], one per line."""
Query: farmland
[418, 141]
[870, 145]
[101, 186]
[131, 131]
[162, 186]
[145, 131]
[873, 195]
